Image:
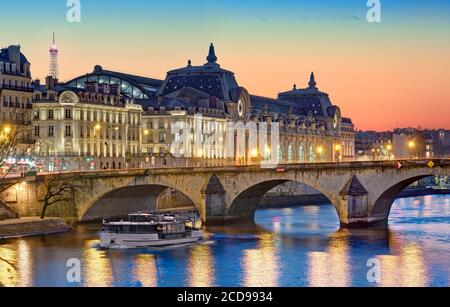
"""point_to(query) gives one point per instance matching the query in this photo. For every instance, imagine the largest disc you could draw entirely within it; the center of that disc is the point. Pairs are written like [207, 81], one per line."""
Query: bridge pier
[354, 207]
[214, 204]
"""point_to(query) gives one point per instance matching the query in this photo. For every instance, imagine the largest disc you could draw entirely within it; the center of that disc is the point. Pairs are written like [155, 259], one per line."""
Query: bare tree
[10, 137]
[57, 190]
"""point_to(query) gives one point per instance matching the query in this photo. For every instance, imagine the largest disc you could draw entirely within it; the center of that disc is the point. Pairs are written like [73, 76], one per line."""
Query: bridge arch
[244, 205]
[119, 202]
[383, 204]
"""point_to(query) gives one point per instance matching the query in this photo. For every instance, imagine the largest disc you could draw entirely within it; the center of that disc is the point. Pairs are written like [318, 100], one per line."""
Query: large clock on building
[241, 108]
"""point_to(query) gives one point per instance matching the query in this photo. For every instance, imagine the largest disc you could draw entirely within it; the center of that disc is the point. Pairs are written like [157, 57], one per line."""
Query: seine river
[300, 246]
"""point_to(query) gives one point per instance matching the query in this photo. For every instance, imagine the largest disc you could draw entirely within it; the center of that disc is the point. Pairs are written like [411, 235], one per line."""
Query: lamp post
[338, 155]
[7, 130]
[389, 151]
[411, 146]
[320, 152]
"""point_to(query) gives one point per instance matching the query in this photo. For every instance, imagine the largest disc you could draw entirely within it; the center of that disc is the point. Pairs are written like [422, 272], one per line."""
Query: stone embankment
[31, 226]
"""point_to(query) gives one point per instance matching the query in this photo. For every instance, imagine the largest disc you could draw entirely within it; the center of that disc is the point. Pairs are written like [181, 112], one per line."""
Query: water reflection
[290, 247]
[16, 264]
[201, 267]
[25, 263]
[414, 271]
[145, 271]
[405, 270]
[331, 268]
[8, 270]
[98, 271]
[261, 265]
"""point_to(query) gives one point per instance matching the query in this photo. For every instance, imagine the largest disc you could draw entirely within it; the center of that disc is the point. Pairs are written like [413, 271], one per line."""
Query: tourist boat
[149, 230]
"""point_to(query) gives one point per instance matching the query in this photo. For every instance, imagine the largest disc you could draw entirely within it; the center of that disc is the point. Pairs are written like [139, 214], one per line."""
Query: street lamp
[338, 149]
[320, 152]
[389, 149]
[200, 153]
[97, 128]
[374, 154]
[411, 145]
[7, 129]
[254, 153]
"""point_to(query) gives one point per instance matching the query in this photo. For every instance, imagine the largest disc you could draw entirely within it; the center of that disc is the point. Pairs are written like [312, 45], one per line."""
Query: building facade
[15, 94]
[147, 111]
[85, 129]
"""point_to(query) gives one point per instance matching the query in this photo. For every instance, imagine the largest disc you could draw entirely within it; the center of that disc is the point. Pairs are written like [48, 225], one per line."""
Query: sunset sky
[391, 74]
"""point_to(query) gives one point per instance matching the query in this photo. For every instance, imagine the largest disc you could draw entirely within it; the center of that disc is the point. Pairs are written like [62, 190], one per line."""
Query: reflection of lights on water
[201, 267]
[287, 211]
[276, 226]
[145, 270]
[428, 201]
[311, 209]
[276, 219]
[331, 269]
[98, 272]
[261, 266]
[413, 267]
[16, 265]
[25, 264]
[318, 274]
[406, 270]
[8, 271]
[389, 271]
[340, 262]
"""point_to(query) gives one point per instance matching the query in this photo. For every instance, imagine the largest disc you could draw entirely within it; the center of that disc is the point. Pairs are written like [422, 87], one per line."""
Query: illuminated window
[312, 154]
[290, 153]
[302, 153]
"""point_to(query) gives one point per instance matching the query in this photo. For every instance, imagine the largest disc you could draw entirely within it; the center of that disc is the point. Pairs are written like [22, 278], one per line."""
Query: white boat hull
[114, 240]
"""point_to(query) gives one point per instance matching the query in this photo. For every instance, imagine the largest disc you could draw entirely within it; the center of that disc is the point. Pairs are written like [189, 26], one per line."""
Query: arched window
[279, 153]
[302, 154]
[312, 154]
[290, 153]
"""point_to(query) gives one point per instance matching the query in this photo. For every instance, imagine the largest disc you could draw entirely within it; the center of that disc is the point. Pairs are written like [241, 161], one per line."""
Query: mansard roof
[4, 56]
[209, 78]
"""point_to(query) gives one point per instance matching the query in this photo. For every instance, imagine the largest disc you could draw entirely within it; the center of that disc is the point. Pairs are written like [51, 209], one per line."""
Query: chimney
[50, 83]
[14, 55]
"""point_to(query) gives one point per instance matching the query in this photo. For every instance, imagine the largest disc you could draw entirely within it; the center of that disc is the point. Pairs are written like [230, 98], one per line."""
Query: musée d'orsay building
[112, 120]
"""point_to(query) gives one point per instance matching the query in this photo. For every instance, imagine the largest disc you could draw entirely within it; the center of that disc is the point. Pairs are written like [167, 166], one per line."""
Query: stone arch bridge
[361, 192]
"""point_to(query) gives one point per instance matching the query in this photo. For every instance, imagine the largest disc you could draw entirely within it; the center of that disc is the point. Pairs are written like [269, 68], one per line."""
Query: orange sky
[388, 75]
